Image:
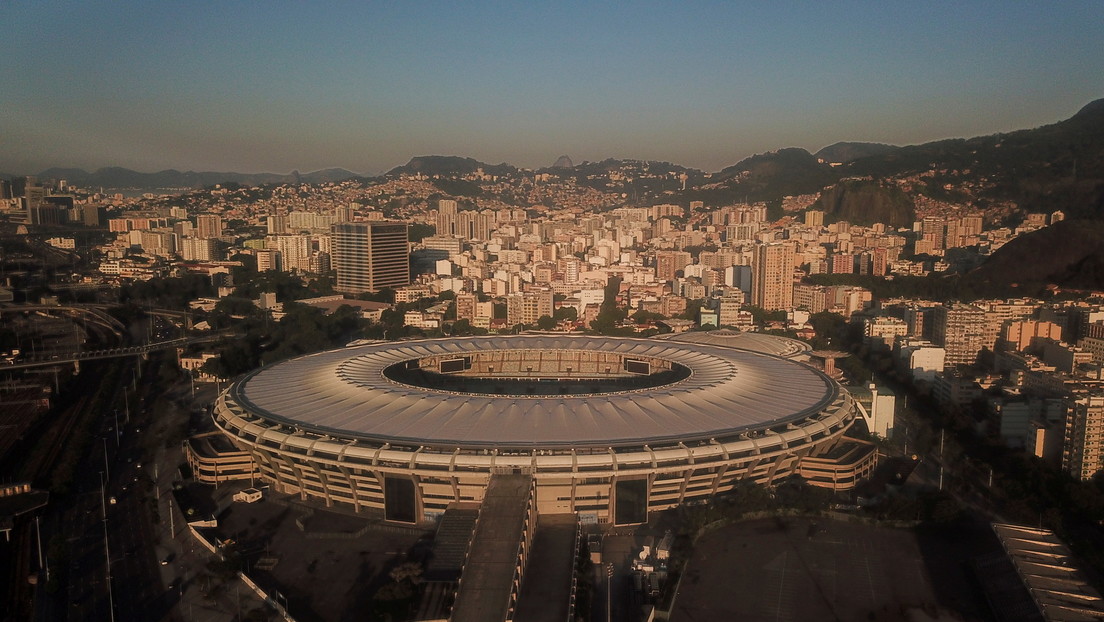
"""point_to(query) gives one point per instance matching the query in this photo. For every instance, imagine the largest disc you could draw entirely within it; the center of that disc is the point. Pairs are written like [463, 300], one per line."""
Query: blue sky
[278, 86]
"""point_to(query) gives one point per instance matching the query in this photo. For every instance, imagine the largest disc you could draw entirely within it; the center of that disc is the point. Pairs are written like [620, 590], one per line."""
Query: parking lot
[328, 569]
[818, 569]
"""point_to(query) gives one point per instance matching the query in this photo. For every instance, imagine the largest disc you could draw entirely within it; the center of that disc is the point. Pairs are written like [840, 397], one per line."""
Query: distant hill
[846, 152]
[1053, 167]
[769, 176]
[1069, 253]
[449, 165]
[1058, 166]
[654, 167]
[117, 177]
[864, 202]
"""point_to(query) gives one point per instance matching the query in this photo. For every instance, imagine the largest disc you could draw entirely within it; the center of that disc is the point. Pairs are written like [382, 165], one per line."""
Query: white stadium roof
[343, 393]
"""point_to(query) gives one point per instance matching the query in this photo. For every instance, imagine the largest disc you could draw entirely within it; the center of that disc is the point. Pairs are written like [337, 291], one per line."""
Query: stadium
[608, 428]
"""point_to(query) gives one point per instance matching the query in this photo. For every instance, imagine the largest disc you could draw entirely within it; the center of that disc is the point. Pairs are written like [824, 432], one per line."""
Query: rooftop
[1048, 569]
[345, 393]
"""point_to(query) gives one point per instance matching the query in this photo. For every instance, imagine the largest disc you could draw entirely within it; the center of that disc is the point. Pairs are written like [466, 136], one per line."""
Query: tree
[643, 317]
[419, 231]
[693, 308]
[545, 322]
[569, 314]
[404, 580]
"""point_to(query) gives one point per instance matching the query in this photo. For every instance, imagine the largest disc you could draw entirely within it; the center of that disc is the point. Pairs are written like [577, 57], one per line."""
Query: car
[112, 501]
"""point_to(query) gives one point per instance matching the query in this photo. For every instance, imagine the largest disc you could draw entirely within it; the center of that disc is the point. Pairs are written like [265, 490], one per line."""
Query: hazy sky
[274, 86]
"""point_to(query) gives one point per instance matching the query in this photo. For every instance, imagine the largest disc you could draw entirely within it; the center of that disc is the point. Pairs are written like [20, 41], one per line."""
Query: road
[107, 521]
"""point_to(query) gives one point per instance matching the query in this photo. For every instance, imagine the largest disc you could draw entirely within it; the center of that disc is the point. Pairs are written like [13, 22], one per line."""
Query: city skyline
[215, 87]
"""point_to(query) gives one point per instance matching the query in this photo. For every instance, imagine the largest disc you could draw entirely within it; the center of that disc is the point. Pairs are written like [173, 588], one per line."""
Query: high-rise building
[345, 213]
[670, 262]
[319, 262]
[1019, 335]
[961, 330]
[879, 262]
[465, 306]
[1083, 449]
[295, 252]
[32, 196]
[739, 277]
[729, 308]
[199, 249]
[528, 307]
[299, 221]
[277, 224]
[843, 263]
[475, 225]
[446, 217]
[370, 256]
[268, 259]
[93, 215]
[773, 285]
[934, 230]
[208, 225]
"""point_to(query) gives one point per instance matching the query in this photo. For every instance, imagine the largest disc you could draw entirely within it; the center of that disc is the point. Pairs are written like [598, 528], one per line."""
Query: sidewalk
[200, 596]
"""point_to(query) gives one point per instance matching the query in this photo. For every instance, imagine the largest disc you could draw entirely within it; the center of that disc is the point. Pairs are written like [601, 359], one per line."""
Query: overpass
[96, 314]
[76, 357]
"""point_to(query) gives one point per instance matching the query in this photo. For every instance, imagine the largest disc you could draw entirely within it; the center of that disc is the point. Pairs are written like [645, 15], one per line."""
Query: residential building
[960, 329]
[208, 225]
[528, 307]
[773, 285]
[1083, 451]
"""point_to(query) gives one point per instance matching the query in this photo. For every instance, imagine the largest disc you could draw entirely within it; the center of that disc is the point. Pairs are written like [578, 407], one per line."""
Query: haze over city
[252, 87]
[426, 311]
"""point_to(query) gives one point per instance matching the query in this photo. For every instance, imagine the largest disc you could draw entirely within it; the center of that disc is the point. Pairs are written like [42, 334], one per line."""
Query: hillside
[864, 202]
[848, 152]
[1054, 167]
[1068, 253]
[1058, 166]
[117, 177]
[432, 165]
[766, 177]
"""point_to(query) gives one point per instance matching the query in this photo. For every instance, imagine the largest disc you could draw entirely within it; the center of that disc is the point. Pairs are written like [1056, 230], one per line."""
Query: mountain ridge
[117, 177]
[1059, 166]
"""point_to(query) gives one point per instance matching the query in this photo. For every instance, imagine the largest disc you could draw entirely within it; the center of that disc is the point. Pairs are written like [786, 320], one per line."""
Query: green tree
[569, 314]
[419, 231]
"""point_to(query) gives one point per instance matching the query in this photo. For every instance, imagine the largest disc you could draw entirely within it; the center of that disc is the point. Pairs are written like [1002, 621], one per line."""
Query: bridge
[92, 314]
[76, 357]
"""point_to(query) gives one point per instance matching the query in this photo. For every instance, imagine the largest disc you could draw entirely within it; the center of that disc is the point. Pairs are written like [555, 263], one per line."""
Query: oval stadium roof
[343, 393]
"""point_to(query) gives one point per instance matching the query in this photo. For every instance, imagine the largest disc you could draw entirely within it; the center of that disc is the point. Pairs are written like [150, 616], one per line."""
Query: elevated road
[76, 357]
[96, 314]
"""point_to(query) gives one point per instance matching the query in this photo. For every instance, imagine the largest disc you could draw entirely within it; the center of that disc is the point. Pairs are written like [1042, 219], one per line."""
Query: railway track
[55, 438]
[58, 439]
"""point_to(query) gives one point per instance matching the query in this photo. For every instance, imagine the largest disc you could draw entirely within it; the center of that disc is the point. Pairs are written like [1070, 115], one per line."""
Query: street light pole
[941, 433]
[107, 551]
[609, 591]
[41, 563]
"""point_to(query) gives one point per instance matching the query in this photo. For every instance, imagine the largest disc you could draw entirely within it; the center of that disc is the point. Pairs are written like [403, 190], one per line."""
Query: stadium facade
[609, 428]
